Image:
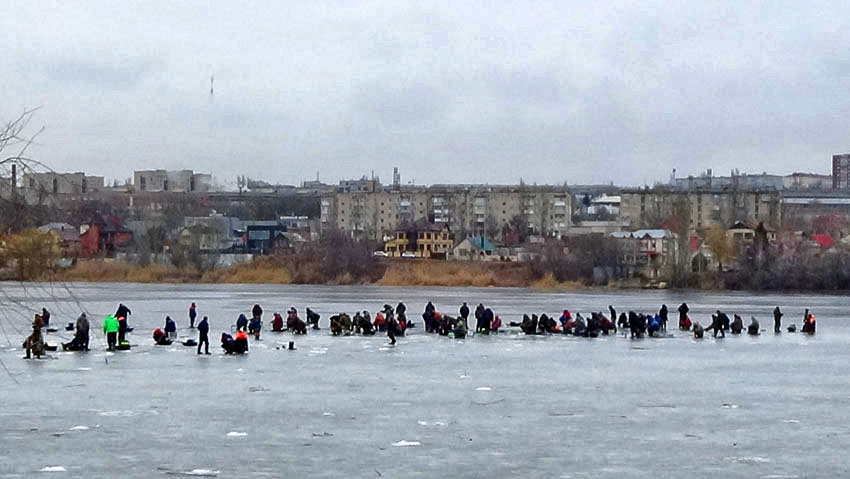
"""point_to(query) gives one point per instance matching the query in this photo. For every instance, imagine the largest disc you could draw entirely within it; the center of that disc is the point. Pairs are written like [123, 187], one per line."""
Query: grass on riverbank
[265, 270]
[549, 283]
[271, 270]
[454, 273]
[116, 272]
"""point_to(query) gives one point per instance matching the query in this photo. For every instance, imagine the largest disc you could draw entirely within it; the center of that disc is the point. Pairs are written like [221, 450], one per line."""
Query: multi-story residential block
[654, 207]
[841, 171]
[467, 209]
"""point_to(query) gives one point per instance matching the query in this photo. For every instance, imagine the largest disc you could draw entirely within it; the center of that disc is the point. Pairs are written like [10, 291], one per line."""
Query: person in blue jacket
[654, 324]
[242, 323]
[170, 328]
[254, 327]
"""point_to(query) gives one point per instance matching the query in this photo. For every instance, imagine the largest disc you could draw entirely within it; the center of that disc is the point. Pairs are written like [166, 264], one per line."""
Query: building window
[55, 185]
[84, 187]
[164, 185]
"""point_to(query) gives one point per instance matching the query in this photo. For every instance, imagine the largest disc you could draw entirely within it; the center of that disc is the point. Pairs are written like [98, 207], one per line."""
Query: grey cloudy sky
[469, 91]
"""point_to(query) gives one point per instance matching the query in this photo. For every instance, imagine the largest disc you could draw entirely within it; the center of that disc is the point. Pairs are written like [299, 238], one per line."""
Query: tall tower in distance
[841, 171]
[396, 179]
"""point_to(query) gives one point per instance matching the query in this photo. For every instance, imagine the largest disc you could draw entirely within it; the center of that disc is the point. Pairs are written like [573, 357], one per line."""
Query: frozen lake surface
[499, 406]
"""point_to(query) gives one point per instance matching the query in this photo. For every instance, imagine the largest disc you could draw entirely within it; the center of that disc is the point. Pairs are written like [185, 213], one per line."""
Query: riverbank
[268, 270]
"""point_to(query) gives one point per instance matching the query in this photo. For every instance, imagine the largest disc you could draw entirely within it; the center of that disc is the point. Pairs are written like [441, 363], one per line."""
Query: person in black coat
[464, 311]
[663, 313]
[717, 324]
[777, 320]
[203, 335]
[227, 343]
[479, 317]
[623, 321]
[121, 315]
[312, 318]
[528, 325]
[683, 315]
[429, 318]
[486, 320]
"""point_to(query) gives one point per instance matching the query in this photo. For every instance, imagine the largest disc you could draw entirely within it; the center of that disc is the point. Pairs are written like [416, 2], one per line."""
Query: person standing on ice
[203, 335]
[193, 313]
[777, 320]
[683, 317]
[110, 329]
[392, 327]
[663, 316]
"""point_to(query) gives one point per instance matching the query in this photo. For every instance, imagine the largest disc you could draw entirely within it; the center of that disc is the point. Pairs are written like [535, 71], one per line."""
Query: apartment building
[467, 209]
[653, 207]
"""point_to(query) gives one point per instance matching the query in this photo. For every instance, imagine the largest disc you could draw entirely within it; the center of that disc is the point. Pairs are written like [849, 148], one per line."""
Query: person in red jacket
[240, 343]
[497, 323]
[277, 322]
[193, 313]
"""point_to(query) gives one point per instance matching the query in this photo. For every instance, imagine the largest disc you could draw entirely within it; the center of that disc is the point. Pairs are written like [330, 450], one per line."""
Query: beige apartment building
[651, 207]
[467, 209]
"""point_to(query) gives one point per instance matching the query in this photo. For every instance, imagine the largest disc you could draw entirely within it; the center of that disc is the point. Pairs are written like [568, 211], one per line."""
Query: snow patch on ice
[747, 459]
[791, 421]
[484, 388]
[117, 413]
[328, 413]
[404, 443]
[53, 469]
[83, 369]
[730, 406]
[435, 423]
[79, 428]
[236, 434]
[203, 472]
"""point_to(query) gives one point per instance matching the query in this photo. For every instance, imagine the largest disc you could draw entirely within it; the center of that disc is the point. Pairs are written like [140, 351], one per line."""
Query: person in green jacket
[110, 328]
[460, 328]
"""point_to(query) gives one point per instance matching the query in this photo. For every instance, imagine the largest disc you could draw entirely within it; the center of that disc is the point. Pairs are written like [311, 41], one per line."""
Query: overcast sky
[448, 92]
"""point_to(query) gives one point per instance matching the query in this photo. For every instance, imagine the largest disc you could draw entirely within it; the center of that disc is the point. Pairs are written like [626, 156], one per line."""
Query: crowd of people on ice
[394, 323]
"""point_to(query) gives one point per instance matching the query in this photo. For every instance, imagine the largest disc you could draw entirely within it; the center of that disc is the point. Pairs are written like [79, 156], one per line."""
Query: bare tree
[680, 223]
